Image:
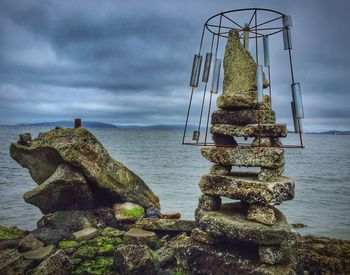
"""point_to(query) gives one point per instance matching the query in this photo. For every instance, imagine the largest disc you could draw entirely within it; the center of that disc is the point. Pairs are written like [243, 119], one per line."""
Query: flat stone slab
[230, 223]
[246, 187]
[247, 100]
[243, 117]
[267, 157]
[39, 253]
[85, 234]
[138, 236]
[165, 225]
[250, 130]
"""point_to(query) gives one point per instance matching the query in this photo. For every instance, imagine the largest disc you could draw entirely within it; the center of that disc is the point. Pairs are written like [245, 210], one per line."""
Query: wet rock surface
[165, 225]
[243, 117]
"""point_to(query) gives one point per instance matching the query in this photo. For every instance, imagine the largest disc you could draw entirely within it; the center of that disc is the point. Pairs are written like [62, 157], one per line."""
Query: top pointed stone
[239, 89]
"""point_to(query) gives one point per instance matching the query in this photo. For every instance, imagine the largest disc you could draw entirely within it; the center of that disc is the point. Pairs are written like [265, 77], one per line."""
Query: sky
[129, 62]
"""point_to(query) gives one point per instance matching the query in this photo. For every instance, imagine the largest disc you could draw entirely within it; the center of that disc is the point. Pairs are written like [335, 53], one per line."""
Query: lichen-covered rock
[134, 259]
[223, 170]
[99, 265]
[204, 237]
[245, 187]
[110, 180]
[243, 117]
[230, 222]
[57, 264]
[264, 214]
[250, 130]
[165, 225]
[29, 242]
[209, 202]
[128, 212]
[267, 157]
[267, 174]
[112, 232]
[239, 68]
[11, 233]
[65, 189]
[271, 255]
[142, 237]
[49, 235]
[12, 262]
[248, 100]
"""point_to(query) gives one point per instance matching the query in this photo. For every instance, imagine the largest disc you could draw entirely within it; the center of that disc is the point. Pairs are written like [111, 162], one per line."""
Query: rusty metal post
[77, 123]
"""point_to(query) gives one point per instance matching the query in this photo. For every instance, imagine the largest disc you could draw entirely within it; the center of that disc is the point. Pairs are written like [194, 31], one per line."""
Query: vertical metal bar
[257, 63]
[191, 96]
[205, 89]
[211, 94]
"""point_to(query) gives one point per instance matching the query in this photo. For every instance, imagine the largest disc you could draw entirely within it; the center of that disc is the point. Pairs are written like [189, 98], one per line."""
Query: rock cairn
[254, 220]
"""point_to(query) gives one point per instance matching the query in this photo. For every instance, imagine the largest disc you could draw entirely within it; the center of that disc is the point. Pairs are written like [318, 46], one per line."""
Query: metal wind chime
[260, 24]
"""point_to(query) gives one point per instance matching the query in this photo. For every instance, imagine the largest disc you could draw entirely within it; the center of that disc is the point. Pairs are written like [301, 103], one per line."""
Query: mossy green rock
[10, 233]
[99, 266]
[68, 244]
[239, 68]
[111, 181]
[112, 232]
[126, 212]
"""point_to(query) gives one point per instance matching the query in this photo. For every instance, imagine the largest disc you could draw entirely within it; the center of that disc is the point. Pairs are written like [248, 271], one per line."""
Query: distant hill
[95, 124]
[333, 132]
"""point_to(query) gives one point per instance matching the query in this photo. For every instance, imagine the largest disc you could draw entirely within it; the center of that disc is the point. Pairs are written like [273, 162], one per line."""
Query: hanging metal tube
[207, 65]
[287, 39]
[295, 119]
[196, 68]
[259, 83]
[216, 77]
[298, 103]
[266, 51]
[287, 21]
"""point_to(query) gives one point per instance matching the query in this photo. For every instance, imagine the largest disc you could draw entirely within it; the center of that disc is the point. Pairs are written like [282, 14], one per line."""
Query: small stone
[223, 170]
[201, 236]
[171, 216]
[209, 202]
[250, 130]
[134, 259]
[39, 253]
[29, 242]
[141, 237]
[262, 214]
[128, 211]
[267, 174]
[57, 264]
[243, 117]
[267, 157]
[163, 240]
[165, 225]
[270, 255]
[262, 142]
[85, 234]
[153, 212]
[25, 137]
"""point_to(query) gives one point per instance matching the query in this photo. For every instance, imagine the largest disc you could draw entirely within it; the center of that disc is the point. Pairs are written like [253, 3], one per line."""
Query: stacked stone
[254, 219]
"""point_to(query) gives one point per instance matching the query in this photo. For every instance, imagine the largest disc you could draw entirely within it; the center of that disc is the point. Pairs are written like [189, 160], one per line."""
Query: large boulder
[65, 189]
[110, 181]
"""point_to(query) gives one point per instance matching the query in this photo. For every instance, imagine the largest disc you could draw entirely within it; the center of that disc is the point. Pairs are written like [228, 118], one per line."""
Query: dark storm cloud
[129, 61]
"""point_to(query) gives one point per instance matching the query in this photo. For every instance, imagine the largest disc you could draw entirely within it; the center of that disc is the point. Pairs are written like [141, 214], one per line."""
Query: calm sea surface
[321, 172]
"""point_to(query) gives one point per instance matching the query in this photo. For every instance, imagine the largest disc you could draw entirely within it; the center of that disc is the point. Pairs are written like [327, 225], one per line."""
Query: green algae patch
[153, 254]
[111, 232]
[68, 244]
[134, 213]
[100, 265]
[9, 233]
[85, 252]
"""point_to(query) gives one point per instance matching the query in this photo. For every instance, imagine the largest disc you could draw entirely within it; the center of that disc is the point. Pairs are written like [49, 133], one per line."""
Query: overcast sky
[129, 62]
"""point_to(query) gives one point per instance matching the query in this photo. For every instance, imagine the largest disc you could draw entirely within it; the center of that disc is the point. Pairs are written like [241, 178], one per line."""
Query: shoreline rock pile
[253, 220]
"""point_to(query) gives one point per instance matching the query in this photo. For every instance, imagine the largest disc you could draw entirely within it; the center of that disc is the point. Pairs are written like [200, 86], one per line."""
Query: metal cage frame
[256, 30]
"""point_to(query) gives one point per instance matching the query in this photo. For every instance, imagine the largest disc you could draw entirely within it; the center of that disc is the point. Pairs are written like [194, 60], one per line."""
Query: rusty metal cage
[253, 24]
